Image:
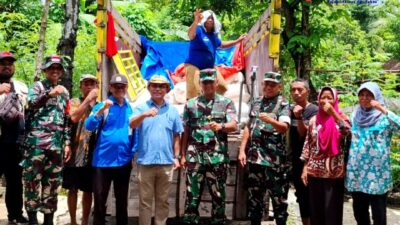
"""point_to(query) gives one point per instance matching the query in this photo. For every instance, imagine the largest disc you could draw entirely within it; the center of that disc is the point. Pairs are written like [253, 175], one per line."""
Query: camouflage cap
[208, 74]
[273, 77]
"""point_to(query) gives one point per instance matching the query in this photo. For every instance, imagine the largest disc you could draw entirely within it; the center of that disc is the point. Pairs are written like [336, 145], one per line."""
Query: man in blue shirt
[113, 152]
[158, 126]
[204, 41]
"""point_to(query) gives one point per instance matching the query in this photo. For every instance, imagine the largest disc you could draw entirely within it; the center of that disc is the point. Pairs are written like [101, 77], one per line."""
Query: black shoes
[33, 218]
[18, 220]
[48, 219]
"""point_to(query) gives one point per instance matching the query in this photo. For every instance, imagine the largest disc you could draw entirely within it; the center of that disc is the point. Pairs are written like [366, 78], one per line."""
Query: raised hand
[242, 37]
[214, 126]
[5, 88]
[265, 117]
[93, 94]
[328, 108]
[107, 104]
[375, 104]
[197, 16]
[57, 90]
[298, 111]
[151, 112]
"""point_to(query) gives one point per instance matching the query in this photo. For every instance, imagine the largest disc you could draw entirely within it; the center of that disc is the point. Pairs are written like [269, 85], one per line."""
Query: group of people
[86, 145]
[327, 153]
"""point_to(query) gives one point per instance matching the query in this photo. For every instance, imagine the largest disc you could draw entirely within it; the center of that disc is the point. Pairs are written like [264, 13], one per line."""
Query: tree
[67, 44]
[42, 40]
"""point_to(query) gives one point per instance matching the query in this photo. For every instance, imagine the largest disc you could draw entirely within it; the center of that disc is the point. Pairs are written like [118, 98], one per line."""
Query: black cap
[53, 59]
[7, 55]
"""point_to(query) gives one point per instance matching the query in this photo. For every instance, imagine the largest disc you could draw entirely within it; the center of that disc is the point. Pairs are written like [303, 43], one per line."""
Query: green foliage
[347, 58]
[173, 23]
[246, 14]
[57, 11]
[395, 156]
[141, 18]
[85, 57]
[32, 9]
[218, 6]
[364, 14]
[20, 35]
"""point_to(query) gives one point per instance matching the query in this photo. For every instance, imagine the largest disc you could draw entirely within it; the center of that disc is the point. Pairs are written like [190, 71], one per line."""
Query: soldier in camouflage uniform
[48, 134]
[207, 120]
[266, 154]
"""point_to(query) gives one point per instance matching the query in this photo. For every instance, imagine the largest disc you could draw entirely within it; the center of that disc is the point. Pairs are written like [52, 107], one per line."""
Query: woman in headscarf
[369, 175]
[323, 156]
[204, 35]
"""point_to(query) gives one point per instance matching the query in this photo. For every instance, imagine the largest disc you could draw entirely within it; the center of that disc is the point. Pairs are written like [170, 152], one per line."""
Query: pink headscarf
[328, 133]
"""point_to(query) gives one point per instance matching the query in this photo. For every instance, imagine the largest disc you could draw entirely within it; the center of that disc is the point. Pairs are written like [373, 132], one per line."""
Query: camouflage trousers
[42, 177]
[215, 177]
[260, 180]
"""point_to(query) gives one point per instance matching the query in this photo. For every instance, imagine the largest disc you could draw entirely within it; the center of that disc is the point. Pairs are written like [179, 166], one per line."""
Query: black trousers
[361, 203]
[301, 193]
[10, 157]
[326, 201]
[102, 178]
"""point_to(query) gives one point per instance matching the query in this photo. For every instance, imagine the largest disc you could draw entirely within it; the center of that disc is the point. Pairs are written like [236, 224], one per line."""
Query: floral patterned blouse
[368, 168]
[319, 164]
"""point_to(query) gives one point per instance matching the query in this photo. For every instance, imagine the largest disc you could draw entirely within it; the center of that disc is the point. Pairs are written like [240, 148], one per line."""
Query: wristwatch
[222, 126]
[177, 157]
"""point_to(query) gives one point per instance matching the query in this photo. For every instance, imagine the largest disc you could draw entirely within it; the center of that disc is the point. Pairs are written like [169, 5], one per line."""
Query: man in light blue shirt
[158, 126]
[113, 152]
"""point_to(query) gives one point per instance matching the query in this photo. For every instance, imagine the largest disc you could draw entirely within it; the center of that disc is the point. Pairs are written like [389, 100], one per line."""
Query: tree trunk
[302, 60]
[305, 59]
[42, 40]
[67, 44]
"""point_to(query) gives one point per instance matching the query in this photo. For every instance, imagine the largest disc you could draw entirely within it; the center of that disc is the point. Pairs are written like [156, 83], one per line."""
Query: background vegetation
[349, 43]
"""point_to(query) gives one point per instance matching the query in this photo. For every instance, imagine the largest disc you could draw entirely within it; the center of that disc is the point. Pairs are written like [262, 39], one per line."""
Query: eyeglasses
[161, 86]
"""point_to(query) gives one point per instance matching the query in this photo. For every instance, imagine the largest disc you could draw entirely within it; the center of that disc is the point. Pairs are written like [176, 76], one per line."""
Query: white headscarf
[217, 24]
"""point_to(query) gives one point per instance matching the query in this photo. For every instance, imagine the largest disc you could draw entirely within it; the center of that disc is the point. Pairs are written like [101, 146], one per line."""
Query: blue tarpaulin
[163, 56]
